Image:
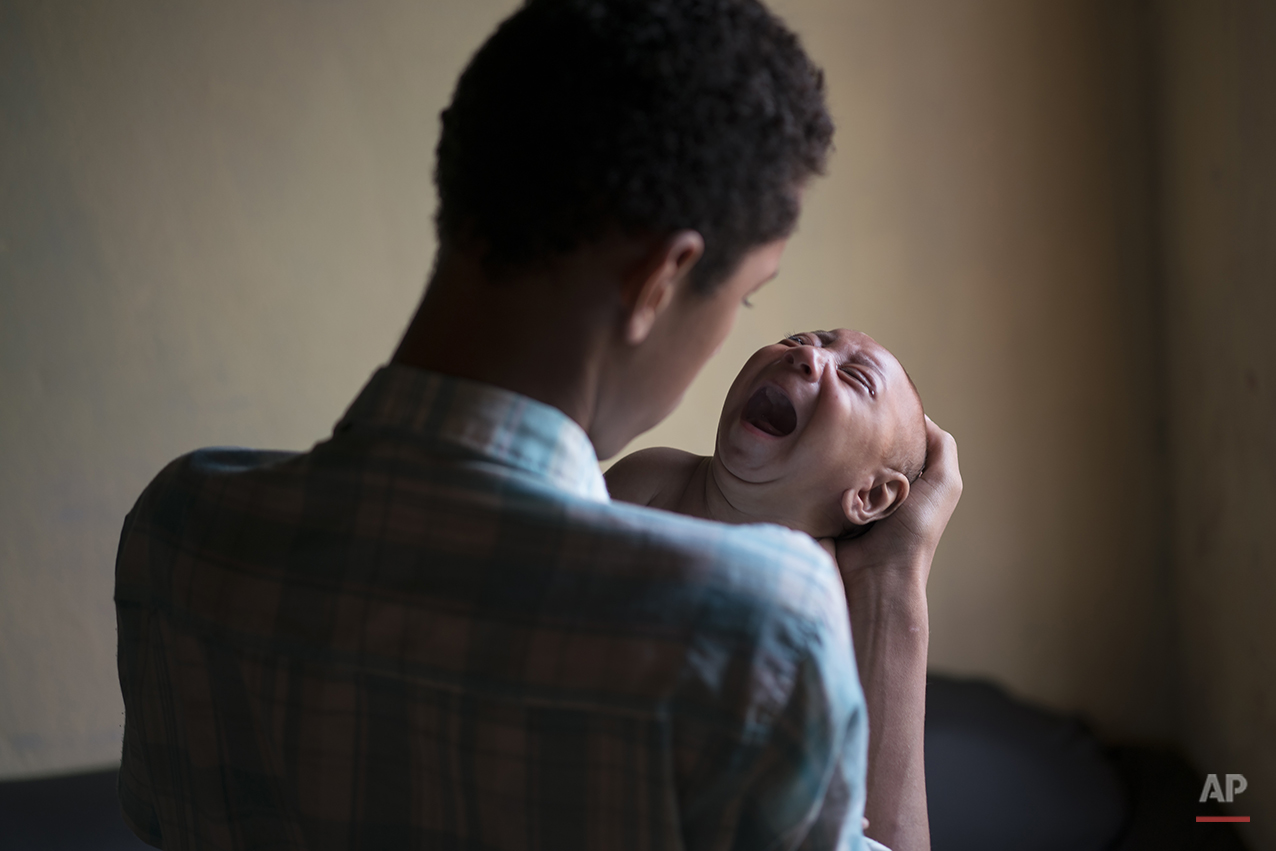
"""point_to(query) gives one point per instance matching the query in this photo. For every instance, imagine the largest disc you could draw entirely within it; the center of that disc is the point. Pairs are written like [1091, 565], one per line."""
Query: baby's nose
[802, 358]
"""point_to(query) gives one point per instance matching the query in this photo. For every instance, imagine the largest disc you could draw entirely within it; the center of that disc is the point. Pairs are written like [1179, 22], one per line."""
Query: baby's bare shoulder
[651, 476]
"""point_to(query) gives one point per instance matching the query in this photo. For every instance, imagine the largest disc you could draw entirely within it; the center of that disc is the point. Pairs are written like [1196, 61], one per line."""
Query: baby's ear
[876, 500]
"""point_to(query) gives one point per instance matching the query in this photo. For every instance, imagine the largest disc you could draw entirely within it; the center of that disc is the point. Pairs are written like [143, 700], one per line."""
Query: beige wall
[1219, 222]
[215, 223]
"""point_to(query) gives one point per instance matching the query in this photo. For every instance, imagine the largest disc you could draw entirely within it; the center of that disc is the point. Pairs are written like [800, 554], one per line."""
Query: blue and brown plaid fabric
[434, 630]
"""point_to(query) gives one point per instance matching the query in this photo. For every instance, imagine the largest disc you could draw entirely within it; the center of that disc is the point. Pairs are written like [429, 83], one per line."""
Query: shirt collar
[497, 424]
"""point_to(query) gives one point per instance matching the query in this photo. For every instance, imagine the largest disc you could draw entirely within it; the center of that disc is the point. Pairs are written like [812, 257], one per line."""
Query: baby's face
[812, 416]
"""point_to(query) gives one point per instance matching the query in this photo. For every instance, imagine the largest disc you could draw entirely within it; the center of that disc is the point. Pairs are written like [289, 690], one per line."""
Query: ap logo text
[1235, 784]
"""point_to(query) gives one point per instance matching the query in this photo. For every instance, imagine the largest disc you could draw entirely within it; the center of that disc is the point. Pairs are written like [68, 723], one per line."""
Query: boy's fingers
[942, 471]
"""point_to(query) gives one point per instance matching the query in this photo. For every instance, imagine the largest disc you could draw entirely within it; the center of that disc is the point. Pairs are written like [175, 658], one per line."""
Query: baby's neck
[699, 496]
[708, 494]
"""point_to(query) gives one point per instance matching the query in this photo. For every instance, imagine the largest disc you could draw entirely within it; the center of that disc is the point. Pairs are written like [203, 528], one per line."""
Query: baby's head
[822, 431]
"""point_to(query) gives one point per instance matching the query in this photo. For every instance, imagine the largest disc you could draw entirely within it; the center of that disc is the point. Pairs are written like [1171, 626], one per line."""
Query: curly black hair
[577, 117]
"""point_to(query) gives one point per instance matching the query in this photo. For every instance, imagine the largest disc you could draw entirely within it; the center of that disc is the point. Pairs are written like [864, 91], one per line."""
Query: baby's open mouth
[770, 411]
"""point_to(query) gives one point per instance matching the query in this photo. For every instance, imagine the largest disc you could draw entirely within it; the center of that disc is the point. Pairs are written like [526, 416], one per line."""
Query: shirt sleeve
[784, 765]
[838, 824]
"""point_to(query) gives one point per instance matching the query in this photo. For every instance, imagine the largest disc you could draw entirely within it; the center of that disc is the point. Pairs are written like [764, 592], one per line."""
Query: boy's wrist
[894, 568]
[892, 596]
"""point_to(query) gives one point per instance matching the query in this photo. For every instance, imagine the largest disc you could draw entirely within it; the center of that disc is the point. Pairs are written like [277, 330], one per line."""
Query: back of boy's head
[578, 117]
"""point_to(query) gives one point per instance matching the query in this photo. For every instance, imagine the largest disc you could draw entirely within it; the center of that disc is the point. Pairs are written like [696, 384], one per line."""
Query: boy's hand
[907, 539]
[885, 571]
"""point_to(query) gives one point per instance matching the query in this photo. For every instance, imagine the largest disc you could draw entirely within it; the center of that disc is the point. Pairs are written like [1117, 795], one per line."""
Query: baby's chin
[745, 458]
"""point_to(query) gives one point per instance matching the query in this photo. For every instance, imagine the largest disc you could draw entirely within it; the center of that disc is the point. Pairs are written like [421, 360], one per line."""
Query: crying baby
[822, 432]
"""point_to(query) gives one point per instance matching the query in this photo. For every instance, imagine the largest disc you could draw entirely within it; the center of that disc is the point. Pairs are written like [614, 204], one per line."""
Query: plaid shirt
[435, 630]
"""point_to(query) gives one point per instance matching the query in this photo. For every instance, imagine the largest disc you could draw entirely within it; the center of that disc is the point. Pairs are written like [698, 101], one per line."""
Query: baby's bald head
[908, 455]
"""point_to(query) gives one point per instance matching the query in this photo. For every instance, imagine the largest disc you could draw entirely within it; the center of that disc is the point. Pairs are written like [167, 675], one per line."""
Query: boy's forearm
[885, 576]
[889, 623]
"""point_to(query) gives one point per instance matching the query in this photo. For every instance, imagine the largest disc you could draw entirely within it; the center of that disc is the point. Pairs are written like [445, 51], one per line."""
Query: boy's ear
[652, 285]
[877, 499]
